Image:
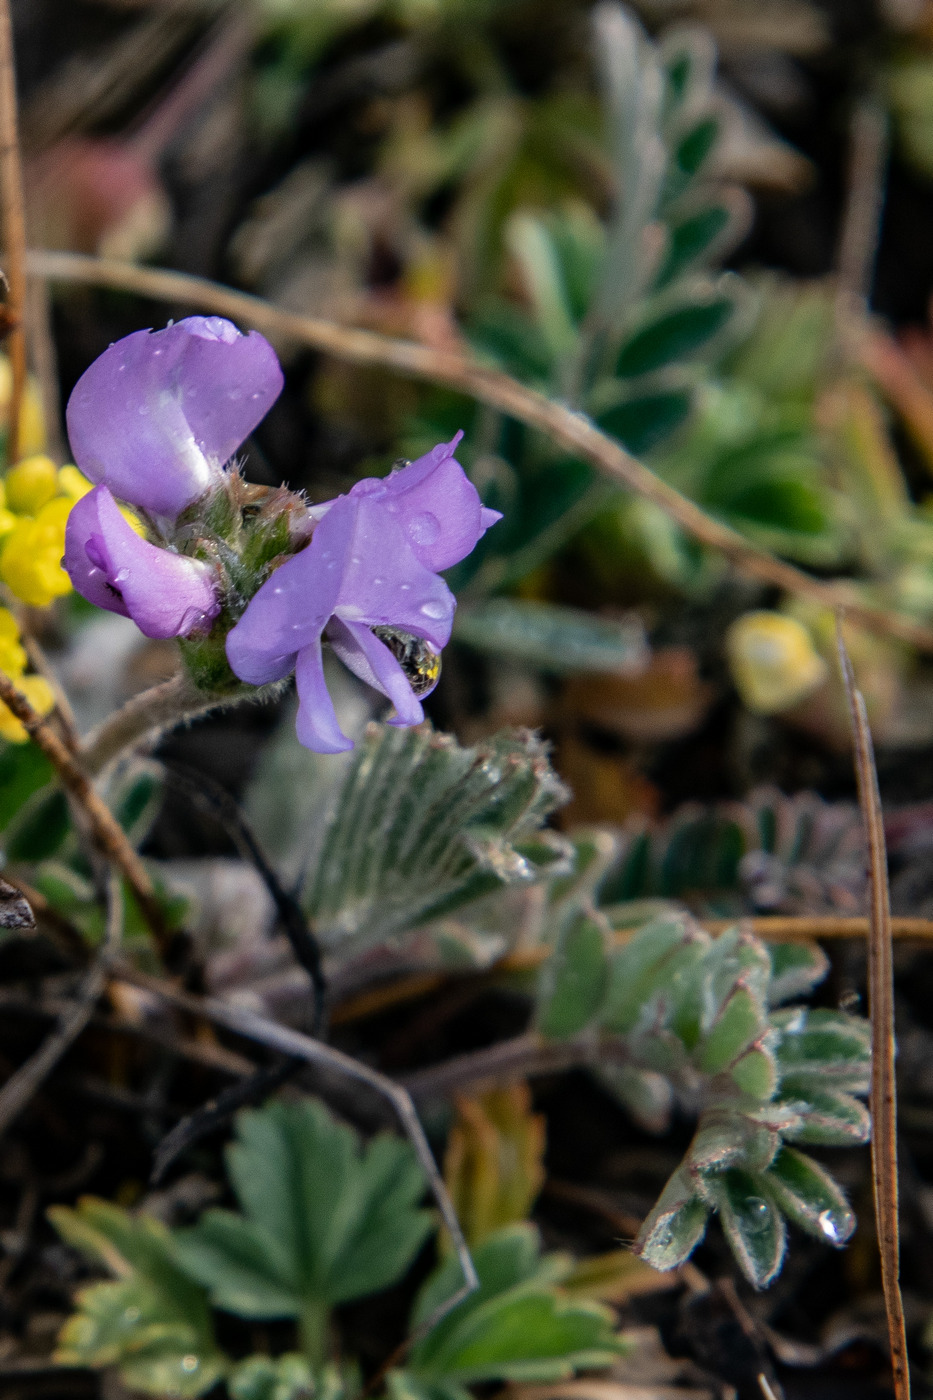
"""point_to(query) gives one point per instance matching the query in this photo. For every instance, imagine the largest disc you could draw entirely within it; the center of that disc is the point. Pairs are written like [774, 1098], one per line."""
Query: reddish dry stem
[883, 1093]
[14, 227]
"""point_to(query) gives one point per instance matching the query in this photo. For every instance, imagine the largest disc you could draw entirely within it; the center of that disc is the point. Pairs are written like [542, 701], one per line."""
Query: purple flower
[166, 594]
[372, 562]
[156, 417]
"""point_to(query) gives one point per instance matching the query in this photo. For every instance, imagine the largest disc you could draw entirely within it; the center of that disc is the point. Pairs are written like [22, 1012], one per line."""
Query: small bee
[417, 658]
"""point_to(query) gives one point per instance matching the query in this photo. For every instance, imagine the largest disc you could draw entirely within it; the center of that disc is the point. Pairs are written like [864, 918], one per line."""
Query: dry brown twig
[25, 1081]
[14, 226]
[314, 1052]
[573, 431]
[108, 835]
[883, 1093]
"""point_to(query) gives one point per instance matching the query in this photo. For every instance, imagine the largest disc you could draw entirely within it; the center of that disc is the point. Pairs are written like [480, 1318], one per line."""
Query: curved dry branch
[573, 431]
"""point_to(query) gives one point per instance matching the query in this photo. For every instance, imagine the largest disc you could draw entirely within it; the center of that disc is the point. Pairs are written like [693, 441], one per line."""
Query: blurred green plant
[324, 1221]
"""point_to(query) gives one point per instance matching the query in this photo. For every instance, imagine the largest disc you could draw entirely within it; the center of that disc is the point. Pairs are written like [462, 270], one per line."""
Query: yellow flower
[30, 557]
[72, 484]
[31, 419]
[773, 661]
[35, 688]
[39, 694]
[30, 484]
[12, 655]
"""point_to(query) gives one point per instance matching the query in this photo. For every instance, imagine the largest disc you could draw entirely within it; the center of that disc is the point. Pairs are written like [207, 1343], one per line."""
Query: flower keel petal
[166, 594]
[317, 726]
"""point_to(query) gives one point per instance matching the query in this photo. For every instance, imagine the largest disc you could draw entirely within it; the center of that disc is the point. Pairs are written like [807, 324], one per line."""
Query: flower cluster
[13, 664]
[36, 498]
[155, 422]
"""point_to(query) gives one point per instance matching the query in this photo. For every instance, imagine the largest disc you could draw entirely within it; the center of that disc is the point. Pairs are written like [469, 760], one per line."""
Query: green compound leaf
[323, 1220]
[828, 1049]
[421, 826]
[573, 979]
[640, 422]
[796, 968]
[673, 335]
[828, 1118]
[154, 1323]
[753, 1224]
[515, 1326]
[554, 638]
[739, 1022]
[288, 1377]
[692, 1013]
[675, 1226]
[809, 1197]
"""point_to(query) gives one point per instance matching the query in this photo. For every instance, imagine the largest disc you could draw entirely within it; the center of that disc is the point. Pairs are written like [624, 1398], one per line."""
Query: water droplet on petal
[424, 528]
[435, 610]
[121, 576]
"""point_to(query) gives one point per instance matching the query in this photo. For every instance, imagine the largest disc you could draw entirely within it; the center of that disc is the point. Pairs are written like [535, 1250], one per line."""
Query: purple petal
[290, 609]
[166, 594]
[437, 504]
[316, 726]
[370, 659]
[384, 582]
[157, 415]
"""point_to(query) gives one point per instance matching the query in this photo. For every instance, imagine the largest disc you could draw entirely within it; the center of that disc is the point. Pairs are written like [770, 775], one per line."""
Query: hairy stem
[147, 716]
[571, 430]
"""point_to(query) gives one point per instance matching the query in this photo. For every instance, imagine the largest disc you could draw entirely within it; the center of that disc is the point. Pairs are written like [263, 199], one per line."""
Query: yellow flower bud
[12, 655]
[30, 556]
[7, 521]
[39, 694]
[773, 661]
[72, 484]
[31, 483]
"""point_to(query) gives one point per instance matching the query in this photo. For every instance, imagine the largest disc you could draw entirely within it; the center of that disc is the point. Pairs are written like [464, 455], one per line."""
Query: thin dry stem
[572, 431]
[14, 226]
[25, 1081]
[861, 226]
[883, 1093]
[107, 833]
[807, 928]
[315, 1052]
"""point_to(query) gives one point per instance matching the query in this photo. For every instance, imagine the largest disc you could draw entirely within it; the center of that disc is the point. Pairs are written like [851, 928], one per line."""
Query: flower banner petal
[159, 413]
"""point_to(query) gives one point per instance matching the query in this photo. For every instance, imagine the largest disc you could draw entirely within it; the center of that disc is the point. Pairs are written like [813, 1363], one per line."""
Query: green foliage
[288, 1377]
[766, 853]
[321, 1221]
[620, 318]
[421, 826]
[551, 637]
[694, 1014]
[153, 1322]
[516, 1326]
